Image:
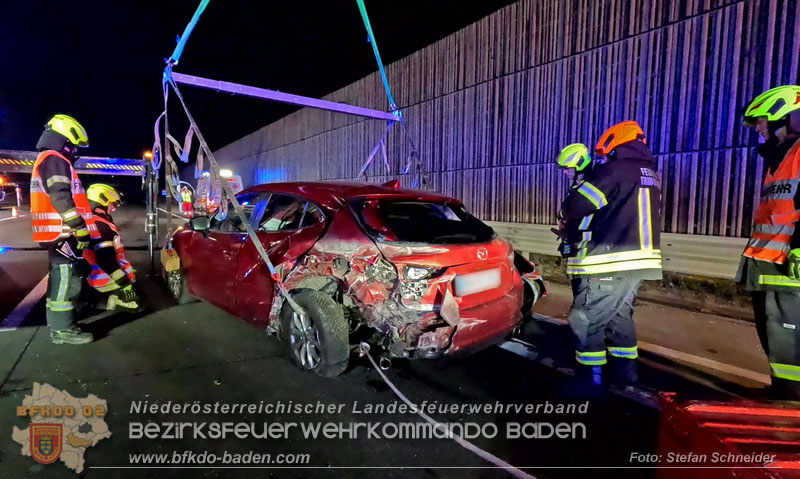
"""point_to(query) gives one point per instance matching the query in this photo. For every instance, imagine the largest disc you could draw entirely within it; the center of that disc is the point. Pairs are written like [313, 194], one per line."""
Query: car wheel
[177, 286]
[317, 340]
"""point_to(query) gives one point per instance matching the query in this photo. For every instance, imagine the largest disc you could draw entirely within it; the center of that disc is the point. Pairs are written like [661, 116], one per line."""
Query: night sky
[101, 61]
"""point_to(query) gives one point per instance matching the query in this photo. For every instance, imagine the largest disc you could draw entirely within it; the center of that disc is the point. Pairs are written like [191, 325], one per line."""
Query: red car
[411, 272]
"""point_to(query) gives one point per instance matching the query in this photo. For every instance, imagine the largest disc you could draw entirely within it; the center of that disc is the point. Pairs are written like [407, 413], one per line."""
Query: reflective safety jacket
[617, 210]
[186, 196]
[775, 221]
[58, 202]
[110, 268]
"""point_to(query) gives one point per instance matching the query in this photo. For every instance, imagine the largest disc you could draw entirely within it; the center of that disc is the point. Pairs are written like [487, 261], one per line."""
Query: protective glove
[128, 294]
[82, 235]
[793, 262]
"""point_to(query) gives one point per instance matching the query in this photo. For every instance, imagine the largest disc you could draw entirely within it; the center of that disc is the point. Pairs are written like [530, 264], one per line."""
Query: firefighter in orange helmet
[62, 223]
[616, 207]
[770, 265]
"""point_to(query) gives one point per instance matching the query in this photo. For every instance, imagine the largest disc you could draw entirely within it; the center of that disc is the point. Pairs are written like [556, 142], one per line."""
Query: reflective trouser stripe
[54, 305]
[117, 275]
[107, 288]
[630, 265]
[618, 352]
[63, 282]
[785, 371]
[592, 358]
[103, 244]
[778, 280]
[586, 221]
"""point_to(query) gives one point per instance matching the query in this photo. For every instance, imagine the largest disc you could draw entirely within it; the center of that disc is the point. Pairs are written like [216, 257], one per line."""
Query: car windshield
[405, 221]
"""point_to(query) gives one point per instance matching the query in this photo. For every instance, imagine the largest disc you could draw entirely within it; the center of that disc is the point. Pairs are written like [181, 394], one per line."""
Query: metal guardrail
[714, 256]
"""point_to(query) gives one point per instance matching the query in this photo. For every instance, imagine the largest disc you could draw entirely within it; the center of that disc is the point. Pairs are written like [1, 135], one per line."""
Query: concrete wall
[489, 106]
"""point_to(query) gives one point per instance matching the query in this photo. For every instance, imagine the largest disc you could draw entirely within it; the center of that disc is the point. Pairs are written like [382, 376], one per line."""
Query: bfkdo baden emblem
[46, 442]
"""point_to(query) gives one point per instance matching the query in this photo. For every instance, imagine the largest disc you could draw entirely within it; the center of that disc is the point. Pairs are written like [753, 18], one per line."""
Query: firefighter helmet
[69, 128]
[773, 104]
[103, 195]
[575, 156]
[619, 134]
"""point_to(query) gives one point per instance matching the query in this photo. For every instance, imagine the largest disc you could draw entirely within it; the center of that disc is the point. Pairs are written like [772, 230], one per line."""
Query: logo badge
[483, 253]
[46, 442]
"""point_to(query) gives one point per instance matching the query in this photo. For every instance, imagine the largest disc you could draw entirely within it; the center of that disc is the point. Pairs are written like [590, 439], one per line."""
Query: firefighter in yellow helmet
[574, 161]
[770, 265]
[111, 272]
[616, 209]
[62, 222]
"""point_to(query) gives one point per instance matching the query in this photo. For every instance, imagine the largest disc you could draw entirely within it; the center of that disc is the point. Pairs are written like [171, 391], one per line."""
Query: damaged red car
[410, 272]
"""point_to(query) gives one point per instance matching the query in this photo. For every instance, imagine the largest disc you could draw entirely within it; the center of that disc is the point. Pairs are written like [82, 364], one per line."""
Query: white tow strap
[487, 456]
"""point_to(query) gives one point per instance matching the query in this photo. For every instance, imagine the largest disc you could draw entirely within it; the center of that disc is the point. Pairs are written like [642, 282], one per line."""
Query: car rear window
[404, 221]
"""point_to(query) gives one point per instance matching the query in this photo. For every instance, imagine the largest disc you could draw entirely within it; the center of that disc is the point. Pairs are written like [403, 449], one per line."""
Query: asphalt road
[196, 352]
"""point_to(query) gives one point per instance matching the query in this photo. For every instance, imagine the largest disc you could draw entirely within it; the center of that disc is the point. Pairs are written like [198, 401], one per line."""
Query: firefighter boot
[625, 372]
[73, 335]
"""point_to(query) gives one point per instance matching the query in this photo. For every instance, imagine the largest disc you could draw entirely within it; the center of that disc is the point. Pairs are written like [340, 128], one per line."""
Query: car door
[287, 228]
[216, 255]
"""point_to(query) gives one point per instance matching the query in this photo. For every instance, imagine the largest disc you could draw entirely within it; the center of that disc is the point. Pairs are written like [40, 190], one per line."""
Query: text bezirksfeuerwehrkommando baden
[354, 407]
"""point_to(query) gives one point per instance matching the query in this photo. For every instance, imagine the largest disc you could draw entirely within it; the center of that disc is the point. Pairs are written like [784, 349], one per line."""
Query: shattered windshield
[405, 221]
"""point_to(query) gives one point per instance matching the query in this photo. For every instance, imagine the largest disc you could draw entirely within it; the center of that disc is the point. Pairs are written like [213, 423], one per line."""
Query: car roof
[333, 194]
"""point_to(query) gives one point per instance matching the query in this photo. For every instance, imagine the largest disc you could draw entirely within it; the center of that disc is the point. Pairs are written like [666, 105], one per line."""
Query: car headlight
[415, 273]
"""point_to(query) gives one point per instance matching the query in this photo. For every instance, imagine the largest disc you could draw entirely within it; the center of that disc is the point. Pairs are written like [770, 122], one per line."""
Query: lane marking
[13, 218]
[17, 316]
[173, 214]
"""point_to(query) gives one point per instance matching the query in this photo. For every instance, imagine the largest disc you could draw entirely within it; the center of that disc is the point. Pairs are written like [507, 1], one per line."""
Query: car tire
[319, 341]
[176, 282]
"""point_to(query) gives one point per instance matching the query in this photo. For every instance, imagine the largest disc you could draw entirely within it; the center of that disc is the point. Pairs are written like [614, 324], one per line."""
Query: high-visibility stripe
[786, 218]
[106, 288]
[117, 274]
[103, 244]
[593, 194]
[50, 229]
[766, 237]
[585, 222]
[629, 265]
[620, 352]
[614, 257]
[46, 216]
[591, 358]
[785, 371]
[57, 179]
[774, 229]
[54, 305]
[63, 281]
[778, 280]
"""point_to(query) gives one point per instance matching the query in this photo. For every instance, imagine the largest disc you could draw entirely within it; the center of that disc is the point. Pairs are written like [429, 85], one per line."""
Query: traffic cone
[14, 212]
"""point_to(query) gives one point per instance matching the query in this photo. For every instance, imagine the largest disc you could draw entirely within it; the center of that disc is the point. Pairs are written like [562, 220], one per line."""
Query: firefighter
[111, 273]
[62, 223]
[574, 161]
[616, 208]
[186, 198]
[770, 264]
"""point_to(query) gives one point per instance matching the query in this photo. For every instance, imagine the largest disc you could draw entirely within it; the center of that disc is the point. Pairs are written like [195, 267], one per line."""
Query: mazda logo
[483, 253]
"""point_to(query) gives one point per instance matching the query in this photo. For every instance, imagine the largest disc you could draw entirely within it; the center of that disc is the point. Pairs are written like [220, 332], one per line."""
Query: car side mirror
[201, 224]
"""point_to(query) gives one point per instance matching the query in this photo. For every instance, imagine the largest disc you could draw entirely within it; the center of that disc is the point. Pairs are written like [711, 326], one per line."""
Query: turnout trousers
[777, 315]
[601, 317]
[63, 288]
